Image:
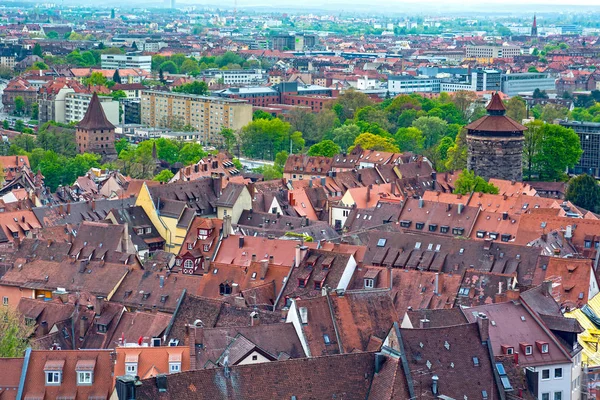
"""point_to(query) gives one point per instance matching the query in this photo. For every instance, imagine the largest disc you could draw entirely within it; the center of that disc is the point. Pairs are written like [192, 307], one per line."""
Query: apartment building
[76, 105]
[206, 114]
[409, 84]
[589, 136]
[236, 76]
[493, 51]
[122, 61]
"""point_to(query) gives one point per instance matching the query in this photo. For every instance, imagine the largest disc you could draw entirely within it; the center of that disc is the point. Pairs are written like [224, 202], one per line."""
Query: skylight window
[381, 242]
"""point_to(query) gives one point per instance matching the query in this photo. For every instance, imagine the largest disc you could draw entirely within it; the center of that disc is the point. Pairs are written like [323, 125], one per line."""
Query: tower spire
[534, 31]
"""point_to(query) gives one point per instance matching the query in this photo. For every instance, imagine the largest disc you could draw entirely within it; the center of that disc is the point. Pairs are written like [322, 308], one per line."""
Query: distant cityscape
[299, 201]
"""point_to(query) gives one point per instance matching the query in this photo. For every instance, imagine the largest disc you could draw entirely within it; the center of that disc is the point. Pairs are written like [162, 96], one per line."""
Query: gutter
[405, 367]
[23, 373]
[337, 334]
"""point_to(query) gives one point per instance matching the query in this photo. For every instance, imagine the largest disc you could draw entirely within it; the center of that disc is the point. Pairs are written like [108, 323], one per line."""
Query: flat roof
[194, 96]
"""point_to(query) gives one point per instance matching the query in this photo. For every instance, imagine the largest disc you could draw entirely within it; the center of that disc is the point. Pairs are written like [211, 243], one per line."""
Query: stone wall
[495, 157]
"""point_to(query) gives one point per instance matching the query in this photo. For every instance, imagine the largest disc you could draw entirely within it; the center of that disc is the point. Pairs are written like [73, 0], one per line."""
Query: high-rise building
[123, 61]
[95, 133]
[495, 144]
[589, 137]
[534, 31]
[207, 115]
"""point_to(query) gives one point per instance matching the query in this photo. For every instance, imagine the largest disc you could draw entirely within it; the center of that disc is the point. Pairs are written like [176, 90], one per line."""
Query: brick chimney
[484, 327]
[547, 288]
[226, 226]
[424, 323]
[264, 267]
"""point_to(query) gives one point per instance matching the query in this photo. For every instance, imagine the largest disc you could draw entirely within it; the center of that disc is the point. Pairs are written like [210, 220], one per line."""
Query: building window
[254, 357]
[131, 369]
[544, 348]
[188, 264]
[369, 283]
[557, 395]
[444, 229]
[5, 301]
[174, 367]
[545, 374]
[53, 377]
[528, 350]
[84, 377]
[545, 396]
[558, 373]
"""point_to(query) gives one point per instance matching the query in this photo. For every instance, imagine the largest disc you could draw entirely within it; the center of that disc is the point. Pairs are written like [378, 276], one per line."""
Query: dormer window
[405, 224]
[526, 348]
[458, 231]
[481, 234]
[53, 370]
[432, 227]
[444, 229]
[493, 235]
[419, 225]
[509, 350]
[85, 377]
[505, 237]
[131, 368]
[224, 289]
[101, 328]
[53, 378]
[140, 231]
[369, 283]
[542, 346]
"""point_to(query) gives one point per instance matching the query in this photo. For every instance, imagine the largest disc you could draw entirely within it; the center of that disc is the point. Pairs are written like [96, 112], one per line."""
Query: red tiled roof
[94, 117]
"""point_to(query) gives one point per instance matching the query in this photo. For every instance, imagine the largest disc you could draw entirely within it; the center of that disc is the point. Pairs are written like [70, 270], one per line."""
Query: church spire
[534, 31]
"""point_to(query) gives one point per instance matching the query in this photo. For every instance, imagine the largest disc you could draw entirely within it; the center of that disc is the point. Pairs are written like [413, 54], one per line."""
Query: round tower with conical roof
[495, 144]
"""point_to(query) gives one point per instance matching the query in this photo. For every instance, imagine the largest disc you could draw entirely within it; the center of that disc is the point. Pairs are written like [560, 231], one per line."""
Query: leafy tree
[433, 128]
[229, 138]
[349, 103]
[37, 50]
[118, 94]
[410, 139]
[121, 144]
[532, 69]
[52, 35]
[467, 182]
[263, 138]
[190, 67]
[456, 156]
[269, 172]
[463, 100]
[373, 116]
[116, 77]
[164, 176]
[157, 60]
[169, 66]
[552, 112]
[516, 108]
[558, 149]
[35, 111]
[14, 333]
[531, 145]
[178, 59]
[5, 124]
[191, 153]
[304, 121]
[368, 141]
[161, 76]
[19, 125]
[326, 148]
[345, 135]
[260, 114]
[539, 94]
[19, 105]
[95, 79]
[584, 191]
[325, 122]
[196, 87]
[280, 159]
[39, 66]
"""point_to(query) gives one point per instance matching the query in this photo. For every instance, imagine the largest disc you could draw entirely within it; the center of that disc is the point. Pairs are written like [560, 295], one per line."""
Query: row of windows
[54, 378]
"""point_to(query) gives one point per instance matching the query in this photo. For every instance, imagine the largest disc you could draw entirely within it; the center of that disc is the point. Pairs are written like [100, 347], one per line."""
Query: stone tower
[495, 144]
[95, 133]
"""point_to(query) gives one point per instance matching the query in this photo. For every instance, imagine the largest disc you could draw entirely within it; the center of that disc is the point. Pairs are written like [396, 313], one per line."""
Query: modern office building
[206, 114]
[293, 42]
[77, 104]
[589, 136]
[236, 76]
[123, 61]
[403, 84]
[493, 51]
[513, 84]
[476, 80]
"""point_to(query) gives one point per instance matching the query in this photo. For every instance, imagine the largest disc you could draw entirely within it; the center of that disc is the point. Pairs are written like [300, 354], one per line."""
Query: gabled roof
[94, 118]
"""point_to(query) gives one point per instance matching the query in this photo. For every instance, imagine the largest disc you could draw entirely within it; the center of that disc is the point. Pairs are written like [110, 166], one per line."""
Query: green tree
[116, 77]
[169, 66]
[410, 139]
[196, 87]
[516, 108]
[52, 35]
[19, 105]
[260, 114]
[349, 103]
[229, 139]
[14, 333]
[552, 112]
[433, 128]
[280, 160]
[326, 148]
[456, 156]
[559, 148]
[37, 50]
[35, 111]
[304, 121]
[5, 124]
[467, 182]
[39, 66]
[584, 191]
[190, 67]
[263, 138]
[532, 69]
[540, 94]
[19, 126]
[121, 145]
[191, 153]
[531, 144]
[95, 79]
[345, 135]
[118, 94]
[178, 59]
[463, 100]
[269, 172]
[368, 141]
[164, 176]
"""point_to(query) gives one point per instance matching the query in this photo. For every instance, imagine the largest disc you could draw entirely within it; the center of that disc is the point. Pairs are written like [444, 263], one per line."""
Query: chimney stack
[424, 323]
[434, 384]
[162, 281]
[505, 215]
[460, 208]
[126, 238]
[226, 226]
[82, 327]
[241, 242]
[254, 318]
[253, 258]
[547, 288]
[93, 204]
[421, 202]
[436, 286]
[44, 326]
[264, 267]
[369, 193]
[484, 327]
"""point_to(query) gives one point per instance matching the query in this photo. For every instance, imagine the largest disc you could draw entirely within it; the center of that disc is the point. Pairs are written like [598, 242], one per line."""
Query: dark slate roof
[230, 194]
[437, 318]
[304, 378]
[94, 117]
[74, 213]
[199, 194]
